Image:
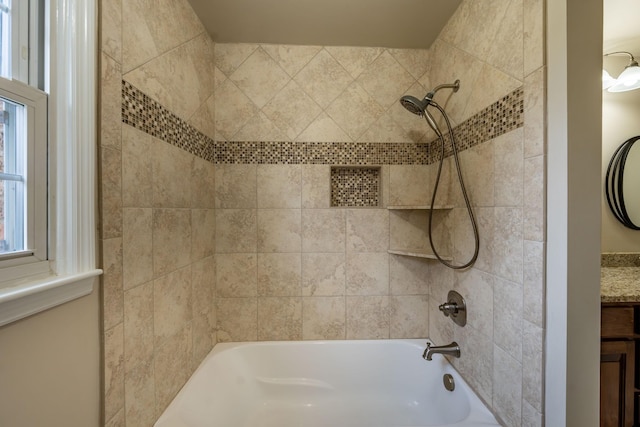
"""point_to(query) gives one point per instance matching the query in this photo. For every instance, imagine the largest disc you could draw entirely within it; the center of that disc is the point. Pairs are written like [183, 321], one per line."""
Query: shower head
[414, 105]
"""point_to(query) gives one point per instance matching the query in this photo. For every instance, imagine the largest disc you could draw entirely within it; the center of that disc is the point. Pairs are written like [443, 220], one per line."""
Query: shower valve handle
[455, 308]
[448, 308]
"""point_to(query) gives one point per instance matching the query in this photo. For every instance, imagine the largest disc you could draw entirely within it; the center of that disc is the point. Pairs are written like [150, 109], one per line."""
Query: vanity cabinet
[619, 392]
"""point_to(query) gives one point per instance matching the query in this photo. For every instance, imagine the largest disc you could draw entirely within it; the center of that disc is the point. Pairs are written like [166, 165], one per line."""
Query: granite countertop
[620, 284]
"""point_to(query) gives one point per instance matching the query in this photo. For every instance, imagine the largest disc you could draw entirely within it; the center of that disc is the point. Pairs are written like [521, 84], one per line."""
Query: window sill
[25, 299]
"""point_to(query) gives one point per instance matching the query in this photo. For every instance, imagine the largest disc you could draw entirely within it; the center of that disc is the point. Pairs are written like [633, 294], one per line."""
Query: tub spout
[452, 349]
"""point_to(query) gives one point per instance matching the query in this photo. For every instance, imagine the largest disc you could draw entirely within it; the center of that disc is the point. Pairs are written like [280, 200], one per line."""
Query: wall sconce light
[629, 79]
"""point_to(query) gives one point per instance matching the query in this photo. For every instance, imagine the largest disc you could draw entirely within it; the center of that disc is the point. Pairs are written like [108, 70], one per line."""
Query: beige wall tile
[409, 185]
[507, 317]
[112, 283]
[531, 417]
[323, 230]
[440, 327]
[117, 420]
[203, 229]
[508, 248]
[509, 168]
[534, 120]
[110, 102]
[229, 56]
[279, 230]
[476, 362]
[408, 230]
[323, 318]
[367, 230]
[477, 288]
[385, 129]
[533, 35]
[172, 304]
[323, 78]
[384, 79]
[171, 240]
[279, 274]
[316, 187]
[533, 372]
[137, 247]
[259, 77]
[323, 274]
[236, 230]
[507, 395]
[409, 316]
[533, 286]
[292, 110]
[237, 275]
[354, 59]
[279, 318]
[204, 118]
[140, 395]
[171, 366]
[237, 319]
[323, 128]
[169, 164]
[534, 199]
[279, 186]
[415, 61]
[260, 128]
[113, 371]
[233, 109]
[367, 274]
[150, 29]
[203, 285]
[506, 52]
[137, 168]
[203, 338]
[354, 121]
[290, 57]
[111, 193]
[478, 172]
[203, 181]
[235, 186]
[367, 317]
[111, 28]
[408, 276]
[464, 242]
[138, 327]
[491, 85]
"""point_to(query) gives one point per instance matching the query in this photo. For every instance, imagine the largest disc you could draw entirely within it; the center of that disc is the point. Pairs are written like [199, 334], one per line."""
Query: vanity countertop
[620, 284]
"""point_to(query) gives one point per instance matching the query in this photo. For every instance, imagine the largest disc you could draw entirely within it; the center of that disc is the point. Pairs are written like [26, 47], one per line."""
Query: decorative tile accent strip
[620, 259]
[355, 187]
[142, 112]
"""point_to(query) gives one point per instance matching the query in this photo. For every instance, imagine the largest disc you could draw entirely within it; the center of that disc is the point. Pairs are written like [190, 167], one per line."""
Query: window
[48, 154]
[23, 137]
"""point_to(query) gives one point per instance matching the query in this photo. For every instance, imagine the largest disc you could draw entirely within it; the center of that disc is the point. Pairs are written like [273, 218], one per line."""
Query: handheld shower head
[414, 105]
[417, 107]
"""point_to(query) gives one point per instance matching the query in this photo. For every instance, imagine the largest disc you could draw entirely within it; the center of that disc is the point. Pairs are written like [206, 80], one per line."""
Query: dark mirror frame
[614, 180]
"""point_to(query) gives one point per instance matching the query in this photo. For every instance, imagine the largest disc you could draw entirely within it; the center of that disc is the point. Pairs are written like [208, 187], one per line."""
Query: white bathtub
[382, 383]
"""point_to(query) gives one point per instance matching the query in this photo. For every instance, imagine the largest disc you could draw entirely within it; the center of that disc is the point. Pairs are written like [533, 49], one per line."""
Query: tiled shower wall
[495, 46]
[157, 208]
[287, 265]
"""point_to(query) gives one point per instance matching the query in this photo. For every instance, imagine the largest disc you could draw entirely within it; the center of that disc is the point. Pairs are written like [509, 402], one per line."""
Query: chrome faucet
[452, 349]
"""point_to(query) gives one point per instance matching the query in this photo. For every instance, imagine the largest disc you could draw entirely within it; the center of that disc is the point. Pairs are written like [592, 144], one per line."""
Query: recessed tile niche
[353, 186]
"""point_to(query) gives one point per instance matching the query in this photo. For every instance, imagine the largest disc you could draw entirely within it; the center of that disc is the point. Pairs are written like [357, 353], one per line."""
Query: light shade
[629, 79]
[607, 80]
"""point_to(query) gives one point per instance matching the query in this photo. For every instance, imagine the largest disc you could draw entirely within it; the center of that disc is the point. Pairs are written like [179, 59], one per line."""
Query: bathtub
[377, 383]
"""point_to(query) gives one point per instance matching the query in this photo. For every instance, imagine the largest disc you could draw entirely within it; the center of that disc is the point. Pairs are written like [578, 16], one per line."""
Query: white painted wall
[572, 357]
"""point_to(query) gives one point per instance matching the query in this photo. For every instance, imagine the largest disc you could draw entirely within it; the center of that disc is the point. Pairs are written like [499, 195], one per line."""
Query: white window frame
[35, 103]
[70, 271]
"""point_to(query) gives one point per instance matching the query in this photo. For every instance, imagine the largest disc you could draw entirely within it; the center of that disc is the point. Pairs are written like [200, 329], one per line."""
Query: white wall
[50, 367]
[620, 121]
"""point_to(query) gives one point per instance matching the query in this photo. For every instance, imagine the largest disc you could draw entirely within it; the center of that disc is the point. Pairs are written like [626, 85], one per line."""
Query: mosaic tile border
[146, 114]
[355, 187]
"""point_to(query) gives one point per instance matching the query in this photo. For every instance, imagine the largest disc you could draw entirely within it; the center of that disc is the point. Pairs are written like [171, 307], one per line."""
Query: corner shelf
[418, 253]
[425, 255]
[420, 207]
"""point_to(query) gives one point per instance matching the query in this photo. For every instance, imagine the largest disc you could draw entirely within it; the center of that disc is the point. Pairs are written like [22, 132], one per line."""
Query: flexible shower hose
[472, 217]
